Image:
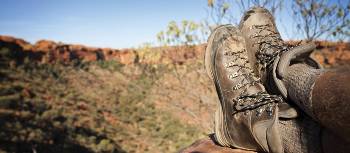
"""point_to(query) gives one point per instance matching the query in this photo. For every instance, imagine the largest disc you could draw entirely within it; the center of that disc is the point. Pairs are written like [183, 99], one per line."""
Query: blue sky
[102, 23]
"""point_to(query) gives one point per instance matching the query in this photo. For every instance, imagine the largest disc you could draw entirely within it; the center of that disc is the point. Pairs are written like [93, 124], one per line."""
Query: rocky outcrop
[207, 145]
[327, 53]
[45, 51]
[331, 54]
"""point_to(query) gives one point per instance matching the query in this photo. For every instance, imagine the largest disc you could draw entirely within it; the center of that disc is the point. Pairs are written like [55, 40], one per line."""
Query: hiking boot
[263, 40]
[295, 74]
[265, 45]
[247, 116]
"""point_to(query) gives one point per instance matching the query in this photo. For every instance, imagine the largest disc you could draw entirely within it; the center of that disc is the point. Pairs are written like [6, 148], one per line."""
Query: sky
[99, 23]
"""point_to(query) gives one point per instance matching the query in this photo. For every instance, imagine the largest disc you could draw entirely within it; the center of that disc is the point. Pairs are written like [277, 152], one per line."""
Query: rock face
[207, 145]
[44, 51]
[331, 54]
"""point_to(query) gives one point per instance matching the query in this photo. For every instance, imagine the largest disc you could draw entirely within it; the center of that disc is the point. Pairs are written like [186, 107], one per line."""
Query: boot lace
[255, 101]
[248, 101]
[269, 43]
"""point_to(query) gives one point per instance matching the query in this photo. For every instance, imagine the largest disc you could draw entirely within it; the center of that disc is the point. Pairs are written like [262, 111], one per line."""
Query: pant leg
[323, 95]
[331, 101]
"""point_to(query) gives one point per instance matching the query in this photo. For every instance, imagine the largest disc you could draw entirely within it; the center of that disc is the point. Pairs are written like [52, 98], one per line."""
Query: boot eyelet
[259, 112]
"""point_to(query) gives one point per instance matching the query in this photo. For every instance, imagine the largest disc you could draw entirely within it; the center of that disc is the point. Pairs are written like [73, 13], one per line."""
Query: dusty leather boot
[247, 117]
[263, 40]
[264, 44]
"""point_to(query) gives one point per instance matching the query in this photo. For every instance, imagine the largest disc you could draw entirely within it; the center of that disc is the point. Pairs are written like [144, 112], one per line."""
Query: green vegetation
[109, 65]
[100, 106]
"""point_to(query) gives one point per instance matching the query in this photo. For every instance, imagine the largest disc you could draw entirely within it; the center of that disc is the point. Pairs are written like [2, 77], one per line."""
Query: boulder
[207, 145]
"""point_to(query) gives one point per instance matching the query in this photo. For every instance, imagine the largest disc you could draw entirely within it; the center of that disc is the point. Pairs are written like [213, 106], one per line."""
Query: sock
[300, 135]
[299, 82]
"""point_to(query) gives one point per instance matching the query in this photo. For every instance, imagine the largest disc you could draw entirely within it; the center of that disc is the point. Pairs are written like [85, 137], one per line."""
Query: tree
[184, 33]
[314, 19]
[322, 18]
[223, 11]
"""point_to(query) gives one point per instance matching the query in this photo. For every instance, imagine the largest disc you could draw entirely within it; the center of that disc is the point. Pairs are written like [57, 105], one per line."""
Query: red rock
[45, 46]
[46, 51]
[206, 145]
[24, 44]
[127, 57]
